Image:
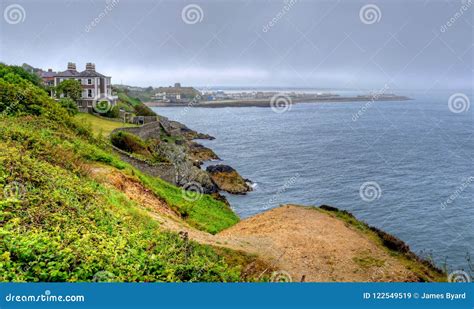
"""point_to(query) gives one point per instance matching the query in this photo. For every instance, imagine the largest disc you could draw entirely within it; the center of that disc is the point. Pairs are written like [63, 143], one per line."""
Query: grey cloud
[249, 43]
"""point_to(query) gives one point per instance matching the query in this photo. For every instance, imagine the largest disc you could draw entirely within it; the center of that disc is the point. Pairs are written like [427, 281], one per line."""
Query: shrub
[20, 95]
[391, 241]
[21, 73]
[129, 143]
[69, 105]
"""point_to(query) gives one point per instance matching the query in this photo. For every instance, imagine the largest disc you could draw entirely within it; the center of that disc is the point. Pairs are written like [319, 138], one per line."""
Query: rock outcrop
[227, 179]
[174, 128]
[180, 158]
[199, 153]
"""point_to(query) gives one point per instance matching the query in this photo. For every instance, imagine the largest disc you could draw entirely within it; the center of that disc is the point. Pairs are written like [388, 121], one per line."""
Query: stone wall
[149, 130]
[165, 171]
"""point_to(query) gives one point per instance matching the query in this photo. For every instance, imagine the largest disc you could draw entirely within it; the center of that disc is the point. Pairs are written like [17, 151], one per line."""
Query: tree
[70, 88]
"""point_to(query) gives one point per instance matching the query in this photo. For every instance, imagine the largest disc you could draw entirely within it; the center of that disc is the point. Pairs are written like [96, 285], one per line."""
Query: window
[89, 81]
[89, 93]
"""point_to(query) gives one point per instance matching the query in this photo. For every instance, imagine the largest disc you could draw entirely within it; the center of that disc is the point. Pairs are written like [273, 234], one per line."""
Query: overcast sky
[318, 44]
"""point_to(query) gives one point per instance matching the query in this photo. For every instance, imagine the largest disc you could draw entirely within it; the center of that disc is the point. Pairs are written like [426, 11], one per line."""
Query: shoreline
[369, 262]
[268, 103]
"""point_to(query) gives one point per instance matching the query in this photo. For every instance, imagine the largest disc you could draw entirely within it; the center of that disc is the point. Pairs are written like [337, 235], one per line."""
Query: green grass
[205, 213]
[366, 261]
[100, 125]
[127, 99]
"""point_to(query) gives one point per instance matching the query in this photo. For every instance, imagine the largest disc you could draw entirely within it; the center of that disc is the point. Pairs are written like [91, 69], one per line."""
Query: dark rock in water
[220, 168]
[227, 179]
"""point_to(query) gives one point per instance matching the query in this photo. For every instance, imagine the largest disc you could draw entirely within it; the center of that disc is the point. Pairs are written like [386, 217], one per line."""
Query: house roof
[90, 73]
[47, 74]
[72, 73]
[68, 73]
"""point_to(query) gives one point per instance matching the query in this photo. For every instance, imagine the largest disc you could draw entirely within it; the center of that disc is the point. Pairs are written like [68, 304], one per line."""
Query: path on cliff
[304, 243]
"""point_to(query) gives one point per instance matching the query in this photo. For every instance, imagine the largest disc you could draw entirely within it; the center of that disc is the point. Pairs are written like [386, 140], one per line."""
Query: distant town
[177, 95]
[97, 86]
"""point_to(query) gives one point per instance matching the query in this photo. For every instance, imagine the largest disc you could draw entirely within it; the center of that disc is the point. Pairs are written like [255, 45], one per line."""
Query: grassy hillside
[132, 104]
[206, 213]
[57, 223]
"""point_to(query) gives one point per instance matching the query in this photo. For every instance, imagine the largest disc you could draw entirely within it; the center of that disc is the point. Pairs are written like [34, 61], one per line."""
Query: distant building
[95, 86]
[175, 94]
[48, 77]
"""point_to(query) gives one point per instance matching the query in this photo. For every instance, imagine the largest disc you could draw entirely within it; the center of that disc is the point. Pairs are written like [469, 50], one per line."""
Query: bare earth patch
[308, 244]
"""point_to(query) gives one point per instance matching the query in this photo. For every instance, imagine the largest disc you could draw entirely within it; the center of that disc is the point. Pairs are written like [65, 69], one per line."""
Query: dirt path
[303, 243]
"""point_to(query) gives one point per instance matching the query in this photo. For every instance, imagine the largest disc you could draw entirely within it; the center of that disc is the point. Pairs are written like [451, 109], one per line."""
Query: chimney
[71, 66]
[50, 70]
[90, 66]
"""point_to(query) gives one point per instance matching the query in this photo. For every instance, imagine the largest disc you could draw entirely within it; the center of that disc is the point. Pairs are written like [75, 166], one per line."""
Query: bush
[391, 241]
[21, 73]
[19, 95]
[129, 143]
[69, 105]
